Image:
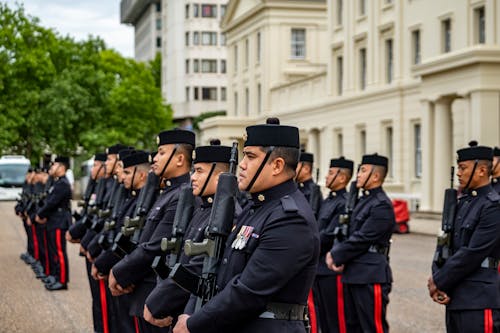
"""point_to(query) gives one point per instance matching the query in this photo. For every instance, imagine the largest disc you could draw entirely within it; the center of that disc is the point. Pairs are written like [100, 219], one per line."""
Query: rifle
[106, 240]
[219, 227]
[132, 226]
[94, 209]
[182, 218]
[107, 207]
[341, 232]
[83, 215]
[444, 240]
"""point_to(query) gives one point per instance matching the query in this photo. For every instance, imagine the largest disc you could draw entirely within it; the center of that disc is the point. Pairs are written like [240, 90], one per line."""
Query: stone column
[442, 151]
[427, 137]
[485, 117]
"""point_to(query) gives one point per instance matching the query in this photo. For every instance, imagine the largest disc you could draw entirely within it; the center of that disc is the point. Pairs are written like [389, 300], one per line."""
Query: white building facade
[413, 80]
[145, 16]
[194, 57]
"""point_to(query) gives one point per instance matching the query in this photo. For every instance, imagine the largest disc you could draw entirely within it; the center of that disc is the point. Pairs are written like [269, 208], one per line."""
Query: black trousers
[30, 242]
[366, 306]
[96, 302]
[472, 321]
[121, 308]
[330, 304]
[42, 247]
[59, 266]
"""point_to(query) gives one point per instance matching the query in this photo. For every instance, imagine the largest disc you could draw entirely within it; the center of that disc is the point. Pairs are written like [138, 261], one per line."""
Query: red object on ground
[402, 216]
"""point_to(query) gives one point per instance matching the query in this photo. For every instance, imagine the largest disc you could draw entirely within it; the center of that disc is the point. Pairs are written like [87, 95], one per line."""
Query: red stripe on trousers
[35, 242]
[488, 321]
[312, 312]
[104, 306]
[47, 264]
[377, 295]
[136, 324]
[60, 256]
[340, 304]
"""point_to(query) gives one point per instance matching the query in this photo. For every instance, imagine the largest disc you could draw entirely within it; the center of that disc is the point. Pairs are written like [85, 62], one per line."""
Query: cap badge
[261, 197]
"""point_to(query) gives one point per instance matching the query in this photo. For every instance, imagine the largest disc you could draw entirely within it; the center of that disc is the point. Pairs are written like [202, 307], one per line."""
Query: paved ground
[25, 306]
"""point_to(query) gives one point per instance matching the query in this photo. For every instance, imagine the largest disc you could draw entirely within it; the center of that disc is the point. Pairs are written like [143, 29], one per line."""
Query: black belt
[379, 249]
[285, 311]
[490, 262]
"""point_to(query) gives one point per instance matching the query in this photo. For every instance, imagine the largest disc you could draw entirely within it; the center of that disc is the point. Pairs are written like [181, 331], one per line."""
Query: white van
[13, 170]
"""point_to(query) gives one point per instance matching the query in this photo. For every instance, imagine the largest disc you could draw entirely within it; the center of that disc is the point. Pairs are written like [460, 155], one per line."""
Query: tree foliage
[68, 97]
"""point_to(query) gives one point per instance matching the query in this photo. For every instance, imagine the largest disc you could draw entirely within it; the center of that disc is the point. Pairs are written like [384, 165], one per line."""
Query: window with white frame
[417, 150]
[340, 74]
[196, 66]
[208, 66]
[247, 52]
[479, 26]
[258, 46]
[362, 68]
[223, 94]
[389, 60]
[446, 35]
[259, 98]
[209, 38]
[415, 37]
[223, 66]
[298, 44]
[196, 38]
[389, 147]
[209, 93]
[340, 12]
[209, 10]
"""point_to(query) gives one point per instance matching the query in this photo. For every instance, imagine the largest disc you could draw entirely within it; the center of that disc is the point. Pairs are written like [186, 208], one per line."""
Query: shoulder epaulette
[289, 204]
[494, 197]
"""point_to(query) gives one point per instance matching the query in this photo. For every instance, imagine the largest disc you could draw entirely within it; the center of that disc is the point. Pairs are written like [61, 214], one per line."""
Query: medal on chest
[242, 238]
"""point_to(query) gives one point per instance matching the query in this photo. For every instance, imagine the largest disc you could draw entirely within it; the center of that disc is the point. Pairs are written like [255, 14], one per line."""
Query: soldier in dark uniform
[134, 272]
[306, 183]
[167, 301]
[468, 281]
[78, 230]
[328, 290]
[31, 254]
[363, 257]
[56, 214]
[495, 173]
[271, 256]
[135, 165]
[42, 183]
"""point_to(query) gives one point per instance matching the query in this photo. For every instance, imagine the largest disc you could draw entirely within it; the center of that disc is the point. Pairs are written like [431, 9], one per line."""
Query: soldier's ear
[278, 165]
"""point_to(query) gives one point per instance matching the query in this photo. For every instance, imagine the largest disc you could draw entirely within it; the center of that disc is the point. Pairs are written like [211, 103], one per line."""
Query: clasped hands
[437, 295]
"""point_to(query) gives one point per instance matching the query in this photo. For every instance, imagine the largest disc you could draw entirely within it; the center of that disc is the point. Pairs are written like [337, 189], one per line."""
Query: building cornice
[457, 59]
[229, 23]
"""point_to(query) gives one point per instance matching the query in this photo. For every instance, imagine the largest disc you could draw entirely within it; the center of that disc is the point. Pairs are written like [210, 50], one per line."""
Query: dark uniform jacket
[168, 299]
[107, 259]
[270, 257]
[135, 268]
[90, 234]
[495, 182]
[328, 220]
[476, 236]
[371, 227]
[312, 192]
[56, 207]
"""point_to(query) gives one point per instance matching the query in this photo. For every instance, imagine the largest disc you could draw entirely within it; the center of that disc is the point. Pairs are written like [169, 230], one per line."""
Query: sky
[80, 18]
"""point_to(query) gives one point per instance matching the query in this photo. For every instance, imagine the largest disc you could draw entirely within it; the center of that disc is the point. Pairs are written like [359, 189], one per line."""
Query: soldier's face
[161, 159]
[199, 178]
[119, 171]
[363, 174]
[111, 163]
[97, 171]
[127, 177]
[333, 173]
[464, 173]
[252, 158]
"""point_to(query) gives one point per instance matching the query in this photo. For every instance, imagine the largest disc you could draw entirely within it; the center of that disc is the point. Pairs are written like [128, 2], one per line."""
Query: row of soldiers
[289, 260]
[44, 208]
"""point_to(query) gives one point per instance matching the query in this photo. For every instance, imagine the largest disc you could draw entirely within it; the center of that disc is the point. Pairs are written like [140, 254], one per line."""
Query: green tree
[64, 96]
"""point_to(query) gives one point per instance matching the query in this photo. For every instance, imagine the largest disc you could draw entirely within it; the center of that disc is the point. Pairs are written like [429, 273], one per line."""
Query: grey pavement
[25, 305]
